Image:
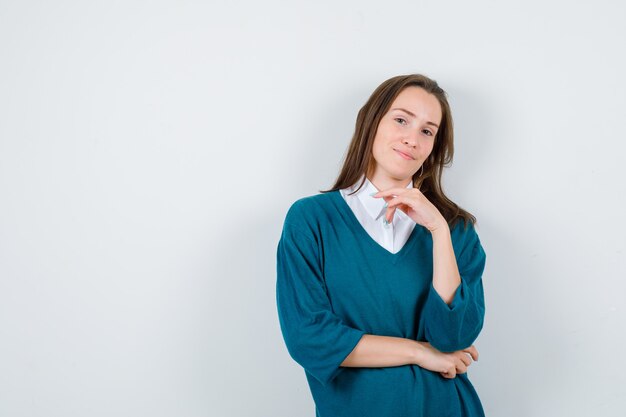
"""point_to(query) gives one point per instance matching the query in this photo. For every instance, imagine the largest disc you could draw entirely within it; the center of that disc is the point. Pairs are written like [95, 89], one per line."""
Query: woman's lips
[403, 155]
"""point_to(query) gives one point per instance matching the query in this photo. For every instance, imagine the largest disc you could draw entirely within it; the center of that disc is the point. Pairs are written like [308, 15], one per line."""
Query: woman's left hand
[415, 204]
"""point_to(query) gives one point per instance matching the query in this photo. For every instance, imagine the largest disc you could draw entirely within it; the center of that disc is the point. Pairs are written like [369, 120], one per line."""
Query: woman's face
[405, 136]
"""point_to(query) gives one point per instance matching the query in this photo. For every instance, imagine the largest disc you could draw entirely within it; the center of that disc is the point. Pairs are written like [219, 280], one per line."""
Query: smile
[403, 155]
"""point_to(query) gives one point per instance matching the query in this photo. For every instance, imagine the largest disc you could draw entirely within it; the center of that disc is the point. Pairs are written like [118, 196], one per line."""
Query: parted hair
[359, 161]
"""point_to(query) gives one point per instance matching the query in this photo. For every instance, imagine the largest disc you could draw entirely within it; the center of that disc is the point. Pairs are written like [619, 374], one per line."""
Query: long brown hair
[360, 162]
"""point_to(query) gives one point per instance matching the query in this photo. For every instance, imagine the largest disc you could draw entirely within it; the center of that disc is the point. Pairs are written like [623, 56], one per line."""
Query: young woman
[379, 279]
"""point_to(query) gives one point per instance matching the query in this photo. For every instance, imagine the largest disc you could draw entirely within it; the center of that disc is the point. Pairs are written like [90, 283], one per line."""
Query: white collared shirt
[371, 213]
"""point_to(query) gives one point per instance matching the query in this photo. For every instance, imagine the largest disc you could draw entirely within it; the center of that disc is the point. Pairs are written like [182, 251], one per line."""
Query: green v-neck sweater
[335, 284]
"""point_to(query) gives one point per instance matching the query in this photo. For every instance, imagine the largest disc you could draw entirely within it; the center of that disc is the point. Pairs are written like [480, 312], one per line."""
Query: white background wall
[149, 152]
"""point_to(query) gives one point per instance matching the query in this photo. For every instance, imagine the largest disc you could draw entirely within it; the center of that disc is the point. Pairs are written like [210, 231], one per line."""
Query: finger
[406, 200]
[392, 191]
[404, 208]
[450, 372]
[398, 204]
[389, 213]
[393, 207]
[472, 351]
[388, 200]
[461, 368]
[467, 360]
[404, 203]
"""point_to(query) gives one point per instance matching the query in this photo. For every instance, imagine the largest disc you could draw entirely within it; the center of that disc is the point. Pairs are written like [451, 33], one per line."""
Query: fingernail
[375, 192]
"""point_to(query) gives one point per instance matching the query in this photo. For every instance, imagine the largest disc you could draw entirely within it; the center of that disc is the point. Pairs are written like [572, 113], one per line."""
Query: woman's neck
[384, 183]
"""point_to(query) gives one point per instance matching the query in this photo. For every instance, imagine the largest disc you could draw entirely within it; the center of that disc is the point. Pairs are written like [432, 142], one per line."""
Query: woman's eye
[402, 121]
[429, 132]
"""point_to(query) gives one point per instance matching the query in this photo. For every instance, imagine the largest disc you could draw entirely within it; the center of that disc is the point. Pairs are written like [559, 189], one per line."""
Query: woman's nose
[412, 138]
[410, 141]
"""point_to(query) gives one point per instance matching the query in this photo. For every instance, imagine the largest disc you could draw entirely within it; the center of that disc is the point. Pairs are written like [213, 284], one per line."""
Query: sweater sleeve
[456, 326]
[316, 338]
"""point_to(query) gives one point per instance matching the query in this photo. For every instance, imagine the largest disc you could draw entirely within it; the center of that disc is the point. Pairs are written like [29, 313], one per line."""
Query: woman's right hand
[447, 364]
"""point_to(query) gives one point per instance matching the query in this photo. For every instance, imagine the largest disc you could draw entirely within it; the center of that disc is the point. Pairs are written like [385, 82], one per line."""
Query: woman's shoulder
[313, 202]
[464, 235]
[463, 229]
[309, 211]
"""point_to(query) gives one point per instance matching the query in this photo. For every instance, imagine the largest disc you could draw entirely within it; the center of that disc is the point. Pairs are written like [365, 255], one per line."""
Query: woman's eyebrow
[411, 114]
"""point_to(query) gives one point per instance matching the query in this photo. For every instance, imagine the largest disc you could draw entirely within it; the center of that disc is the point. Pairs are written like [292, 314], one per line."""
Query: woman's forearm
[381, 351]
[446, 278]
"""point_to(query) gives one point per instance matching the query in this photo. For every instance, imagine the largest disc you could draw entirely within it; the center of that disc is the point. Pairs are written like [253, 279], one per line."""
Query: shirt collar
[374, 206]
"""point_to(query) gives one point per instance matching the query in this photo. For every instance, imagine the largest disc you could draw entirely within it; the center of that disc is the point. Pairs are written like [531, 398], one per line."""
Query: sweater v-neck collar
[357, 227]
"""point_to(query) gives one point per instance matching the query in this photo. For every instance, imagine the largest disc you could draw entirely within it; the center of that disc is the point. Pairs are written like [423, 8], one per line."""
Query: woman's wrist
[441, 228]
[418, 354]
